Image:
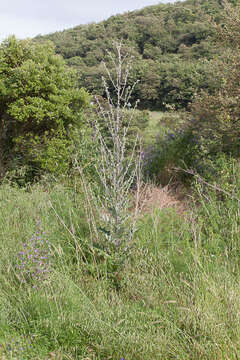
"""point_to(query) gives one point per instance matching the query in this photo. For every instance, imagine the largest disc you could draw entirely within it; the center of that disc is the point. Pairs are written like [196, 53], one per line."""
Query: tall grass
[177, 296]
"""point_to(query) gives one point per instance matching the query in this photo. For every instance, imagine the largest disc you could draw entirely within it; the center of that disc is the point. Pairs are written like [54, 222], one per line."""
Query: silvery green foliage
[118, 171]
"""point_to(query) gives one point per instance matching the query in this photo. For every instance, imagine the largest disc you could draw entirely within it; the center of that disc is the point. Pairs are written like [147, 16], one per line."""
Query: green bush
[217, 115]
[39, 103]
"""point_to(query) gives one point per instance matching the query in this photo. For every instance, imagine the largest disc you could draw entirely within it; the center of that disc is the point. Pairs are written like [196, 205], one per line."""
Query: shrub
[217, 116]
[40, 102]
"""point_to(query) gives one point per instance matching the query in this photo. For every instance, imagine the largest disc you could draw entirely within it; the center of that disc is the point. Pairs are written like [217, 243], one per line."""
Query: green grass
[160, 123]
[153, 127]
[177, 296]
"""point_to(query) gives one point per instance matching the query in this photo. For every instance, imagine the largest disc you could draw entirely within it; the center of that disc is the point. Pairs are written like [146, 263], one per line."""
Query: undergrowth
[177, 296]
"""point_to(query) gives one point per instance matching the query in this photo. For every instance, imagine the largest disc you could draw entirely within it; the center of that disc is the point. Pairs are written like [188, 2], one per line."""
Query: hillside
[172, 45]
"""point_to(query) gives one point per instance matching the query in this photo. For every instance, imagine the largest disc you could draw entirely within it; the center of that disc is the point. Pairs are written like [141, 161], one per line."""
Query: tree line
[173, 46]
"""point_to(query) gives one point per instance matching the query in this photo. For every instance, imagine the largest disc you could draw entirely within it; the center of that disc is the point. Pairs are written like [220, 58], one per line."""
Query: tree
[217, 116]
[39, 104]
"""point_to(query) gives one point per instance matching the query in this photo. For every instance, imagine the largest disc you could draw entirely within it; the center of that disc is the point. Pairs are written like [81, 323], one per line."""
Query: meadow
[176, 297]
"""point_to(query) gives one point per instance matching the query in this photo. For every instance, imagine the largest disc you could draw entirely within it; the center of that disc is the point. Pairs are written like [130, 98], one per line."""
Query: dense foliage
[172, 46]
[217, 116]
[211, 130]
[39, 104]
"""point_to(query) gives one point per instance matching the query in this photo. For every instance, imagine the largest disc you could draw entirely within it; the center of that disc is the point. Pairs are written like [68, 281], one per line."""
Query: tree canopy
[172, 46]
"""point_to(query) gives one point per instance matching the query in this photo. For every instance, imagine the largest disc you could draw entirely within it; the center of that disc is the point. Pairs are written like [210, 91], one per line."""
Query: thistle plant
[34, 258]
[109, 199]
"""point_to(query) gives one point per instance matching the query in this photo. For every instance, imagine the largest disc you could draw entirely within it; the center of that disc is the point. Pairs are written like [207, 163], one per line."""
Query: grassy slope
[178, 297]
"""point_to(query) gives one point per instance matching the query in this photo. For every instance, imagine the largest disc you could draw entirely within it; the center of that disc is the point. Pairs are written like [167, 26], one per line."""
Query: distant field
[160, 123]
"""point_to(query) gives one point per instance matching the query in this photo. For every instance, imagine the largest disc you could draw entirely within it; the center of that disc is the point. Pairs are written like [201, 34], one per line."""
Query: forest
[119, 187]
[172, 46]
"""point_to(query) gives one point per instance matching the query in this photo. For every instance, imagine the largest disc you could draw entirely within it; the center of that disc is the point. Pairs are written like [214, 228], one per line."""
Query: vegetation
[209, 132]
[81, 276]
[176, 297]
[221, 121]
[40, 104]
[172, 45]
[117, 170]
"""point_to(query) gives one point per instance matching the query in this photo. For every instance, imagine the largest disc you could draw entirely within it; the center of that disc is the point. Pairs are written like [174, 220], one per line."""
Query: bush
[217, 116]
[40, 102]
[214, 129]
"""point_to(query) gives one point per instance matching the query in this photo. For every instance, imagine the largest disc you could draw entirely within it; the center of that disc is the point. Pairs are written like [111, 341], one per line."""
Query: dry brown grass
[153, 196]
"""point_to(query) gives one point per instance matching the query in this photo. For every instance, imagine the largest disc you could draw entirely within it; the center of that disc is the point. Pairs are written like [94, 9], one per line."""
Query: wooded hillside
[172, 46]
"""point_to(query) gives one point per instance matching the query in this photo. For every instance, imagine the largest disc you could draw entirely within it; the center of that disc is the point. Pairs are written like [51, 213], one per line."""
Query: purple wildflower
[31, 269]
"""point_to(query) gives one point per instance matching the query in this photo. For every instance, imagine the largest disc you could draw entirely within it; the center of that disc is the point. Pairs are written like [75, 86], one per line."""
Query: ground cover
[177, 297]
